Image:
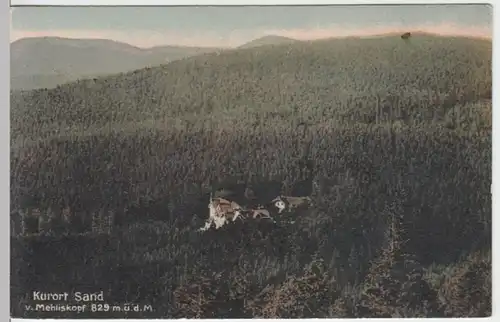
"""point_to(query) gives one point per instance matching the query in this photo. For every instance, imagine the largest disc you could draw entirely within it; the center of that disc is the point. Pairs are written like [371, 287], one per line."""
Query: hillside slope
[49, 61]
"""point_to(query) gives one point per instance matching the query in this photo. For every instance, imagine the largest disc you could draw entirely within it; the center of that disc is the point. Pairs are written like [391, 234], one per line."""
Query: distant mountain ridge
[268, 40]
[49, 61]
[46, 62]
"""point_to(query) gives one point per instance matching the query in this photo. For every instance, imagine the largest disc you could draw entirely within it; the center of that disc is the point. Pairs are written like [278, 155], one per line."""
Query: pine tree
[395, 285]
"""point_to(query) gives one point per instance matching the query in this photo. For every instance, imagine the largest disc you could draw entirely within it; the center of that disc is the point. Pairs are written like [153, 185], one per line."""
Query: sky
[233, 26]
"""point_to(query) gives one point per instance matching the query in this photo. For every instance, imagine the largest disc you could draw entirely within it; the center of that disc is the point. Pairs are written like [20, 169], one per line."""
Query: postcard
[251, 162]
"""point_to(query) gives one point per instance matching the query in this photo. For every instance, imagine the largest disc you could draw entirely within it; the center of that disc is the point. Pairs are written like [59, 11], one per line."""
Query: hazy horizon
[234, 26]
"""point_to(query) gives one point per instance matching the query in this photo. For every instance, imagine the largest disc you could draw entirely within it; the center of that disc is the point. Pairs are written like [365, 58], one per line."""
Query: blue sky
[230, 26]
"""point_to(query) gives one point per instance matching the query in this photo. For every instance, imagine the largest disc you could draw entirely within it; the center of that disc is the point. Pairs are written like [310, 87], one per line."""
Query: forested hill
[346, 80]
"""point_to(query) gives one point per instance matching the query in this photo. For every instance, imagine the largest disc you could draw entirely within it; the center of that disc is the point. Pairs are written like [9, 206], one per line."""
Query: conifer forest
[390, 138]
